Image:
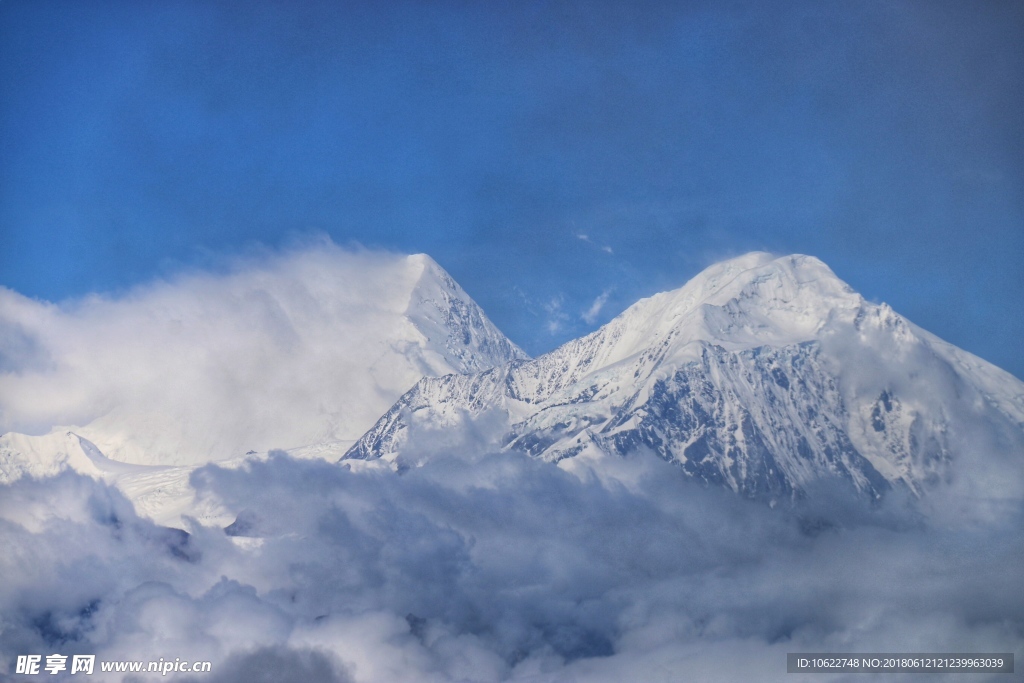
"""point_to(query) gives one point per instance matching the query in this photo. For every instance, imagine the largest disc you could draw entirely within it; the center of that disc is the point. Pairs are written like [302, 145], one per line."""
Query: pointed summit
[454, 326]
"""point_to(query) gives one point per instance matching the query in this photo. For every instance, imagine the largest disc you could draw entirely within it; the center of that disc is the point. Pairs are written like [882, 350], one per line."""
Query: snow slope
[762, 374]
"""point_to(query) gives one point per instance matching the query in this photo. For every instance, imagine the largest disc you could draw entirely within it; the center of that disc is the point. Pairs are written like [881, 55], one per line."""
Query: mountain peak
[752, 300]
[454, 326]
[759, 283]
[423, 263]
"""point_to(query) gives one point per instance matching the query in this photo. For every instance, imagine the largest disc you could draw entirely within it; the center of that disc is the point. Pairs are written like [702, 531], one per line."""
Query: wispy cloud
[583, 237]
[556, 316]
[590, 315]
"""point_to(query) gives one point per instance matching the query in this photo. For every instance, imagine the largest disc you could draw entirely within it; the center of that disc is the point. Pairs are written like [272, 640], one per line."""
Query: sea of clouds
[475, 564]
[484, 566]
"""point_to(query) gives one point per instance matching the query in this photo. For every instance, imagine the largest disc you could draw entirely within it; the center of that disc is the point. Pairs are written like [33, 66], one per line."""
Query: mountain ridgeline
[767, 376]
[762, 374]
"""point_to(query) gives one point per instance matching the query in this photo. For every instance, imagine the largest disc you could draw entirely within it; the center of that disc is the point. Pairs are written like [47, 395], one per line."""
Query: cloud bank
[474, 565]
[276, 351]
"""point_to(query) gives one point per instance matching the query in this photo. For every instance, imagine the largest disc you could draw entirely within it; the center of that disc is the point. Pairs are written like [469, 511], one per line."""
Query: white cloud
[556, 317]
[280, 351]
[476, 565]
[583, 237]
[589, 316]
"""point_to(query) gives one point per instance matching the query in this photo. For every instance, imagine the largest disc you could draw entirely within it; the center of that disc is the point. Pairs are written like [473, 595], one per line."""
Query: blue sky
[546, 154]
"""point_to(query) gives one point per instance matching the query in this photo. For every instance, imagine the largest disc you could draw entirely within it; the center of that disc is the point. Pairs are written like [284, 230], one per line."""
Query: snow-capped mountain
[309, 349]
[762, 374]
